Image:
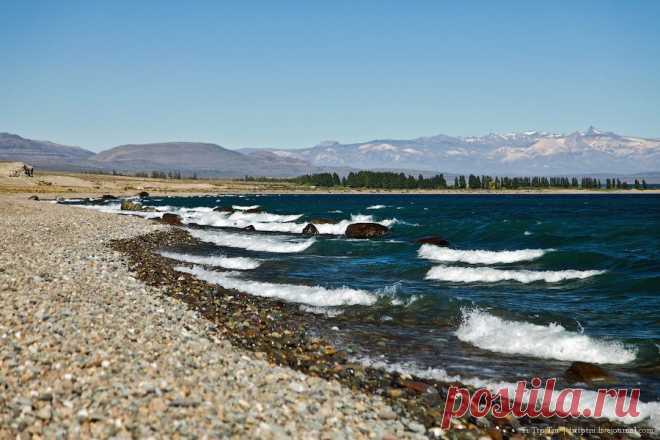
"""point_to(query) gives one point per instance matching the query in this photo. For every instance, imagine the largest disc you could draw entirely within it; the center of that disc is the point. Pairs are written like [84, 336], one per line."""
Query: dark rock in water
[143, 194]
[127, 205]
[33, 198]
[586, 373]
[366, 230]
[252, 211]
[249, 228]
[323, 221]
[223, 209]
[108, 197]
[434, 240]
[171, 219]
[310, 229]
[416, 386]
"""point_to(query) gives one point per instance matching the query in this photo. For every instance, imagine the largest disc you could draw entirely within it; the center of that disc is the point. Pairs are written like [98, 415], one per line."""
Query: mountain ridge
[531, 152]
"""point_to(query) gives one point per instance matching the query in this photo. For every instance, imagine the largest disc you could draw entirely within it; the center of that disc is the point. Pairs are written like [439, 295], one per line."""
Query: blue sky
[290, 74]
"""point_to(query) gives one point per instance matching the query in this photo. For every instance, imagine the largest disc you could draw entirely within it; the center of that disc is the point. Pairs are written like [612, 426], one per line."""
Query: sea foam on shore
[311, 295]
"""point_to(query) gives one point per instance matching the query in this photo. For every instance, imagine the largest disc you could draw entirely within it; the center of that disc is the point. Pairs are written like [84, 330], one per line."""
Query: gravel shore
[87, 350]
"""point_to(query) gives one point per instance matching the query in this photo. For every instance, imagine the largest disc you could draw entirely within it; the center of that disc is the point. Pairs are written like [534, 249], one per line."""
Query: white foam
[234, 263]
[252, 242]
[649, 412]
[311, 295]
[490, 275]
[222, 220]
[326, 311]
[377, 207]
[340, 227]
[553, 341]
[239, 216]
[245, 208]
[260, 221]
[477, 256]
[273, 222]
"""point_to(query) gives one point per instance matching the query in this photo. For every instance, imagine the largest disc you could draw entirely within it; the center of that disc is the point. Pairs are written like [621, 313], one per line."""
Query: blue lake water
[528, 285]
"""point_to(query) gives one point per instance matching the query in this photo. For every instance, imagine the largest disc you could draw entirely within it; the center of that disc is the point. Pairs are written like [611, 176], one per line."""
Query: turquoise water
[473, 314]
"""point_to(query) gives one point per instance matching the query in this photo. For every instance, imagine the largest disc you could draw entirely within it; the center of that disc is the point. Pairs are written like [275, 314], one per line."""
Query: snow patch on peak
[377, 147]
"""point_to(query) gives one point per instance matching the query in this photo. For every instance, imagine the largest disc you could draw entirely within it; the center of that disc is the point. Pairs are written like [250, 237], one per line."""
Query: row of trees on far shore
[390, 180]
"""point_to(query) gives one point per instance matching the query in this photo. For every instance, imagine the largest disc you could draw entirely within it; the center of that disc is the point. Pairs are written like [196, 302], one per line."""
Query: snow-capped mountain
[538, 153]
[530, 152]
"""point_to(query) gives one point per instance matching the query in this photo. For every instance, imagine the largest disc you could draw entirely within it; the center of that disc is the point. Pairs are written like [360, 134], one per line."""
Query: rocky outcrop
[249, 228]
[128, 205]
[310, 229]
[171, 219]
[143, 194]
[252, 211]
[435, 240]
[586, 373]
[366, 230]
[33, 198]
[108, 197]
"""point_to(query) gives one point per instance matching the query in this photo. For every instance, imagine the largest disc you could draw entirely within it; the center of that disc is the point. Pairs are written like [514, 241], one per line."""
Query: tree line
[390, 180]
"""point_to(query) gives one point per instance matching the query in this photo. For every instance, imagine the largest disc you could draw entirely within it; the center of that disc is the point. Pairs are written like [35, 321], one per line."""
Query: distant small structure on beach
[16, 169]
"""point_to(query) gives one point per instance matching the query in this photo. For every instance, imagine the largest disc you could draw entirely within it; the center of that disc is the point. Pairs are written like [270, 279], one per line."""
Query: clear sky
[290, 74]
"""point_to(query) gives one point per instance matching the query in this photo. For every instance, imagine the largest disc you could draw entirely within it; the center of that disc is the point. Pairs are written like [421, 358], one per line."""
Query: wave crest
[553, 341]
[234, 263]
[311, 295]
[490, 275]
[252, 242]
[478, 256]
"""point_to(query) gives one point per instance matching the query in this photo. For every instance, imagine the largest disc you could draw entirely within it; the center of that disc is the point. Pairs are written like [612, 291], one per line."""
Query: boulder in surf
[366, 230]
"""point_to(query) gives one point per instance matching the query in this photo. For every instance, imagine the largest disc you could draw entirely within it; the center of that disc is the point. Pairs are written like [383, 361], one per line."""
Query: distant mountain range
[587, 152]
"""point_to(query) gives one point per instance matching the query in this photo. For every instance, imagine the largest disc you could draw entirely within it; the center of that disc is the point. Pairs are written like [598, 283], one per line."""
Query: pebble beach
[89, 351]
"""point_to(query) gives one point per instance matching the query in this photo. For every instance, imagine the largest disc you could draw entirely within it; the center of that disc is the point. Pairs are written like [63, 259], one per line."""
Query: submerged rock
[33, 198]
[252, 211]
[435, 240]
[586, 372]
[366, 230]
[249, 228]
[171, 219]
[310, 229]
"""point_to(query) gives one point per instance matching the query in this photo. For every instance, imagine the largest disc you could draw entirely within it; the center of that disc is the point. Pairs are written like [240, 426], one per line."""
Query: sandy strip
[86, 350]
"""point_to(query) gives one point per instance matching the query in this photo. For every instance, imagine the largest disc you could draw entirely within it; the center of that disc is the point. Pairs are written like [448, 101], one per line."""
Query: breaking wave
[234, 263]
[245, 208]
[252, 242]
[273, 222]
[311, 295]
[553, 341]
[477, 256]
[490, 275]
[376, 206]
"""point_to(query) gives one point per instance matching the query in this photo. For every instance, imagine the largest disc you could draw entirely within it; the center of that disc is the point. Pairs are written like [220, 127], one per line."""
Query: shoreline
[90, 351]
[285, 342]
[52, 184]
[275, 333]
